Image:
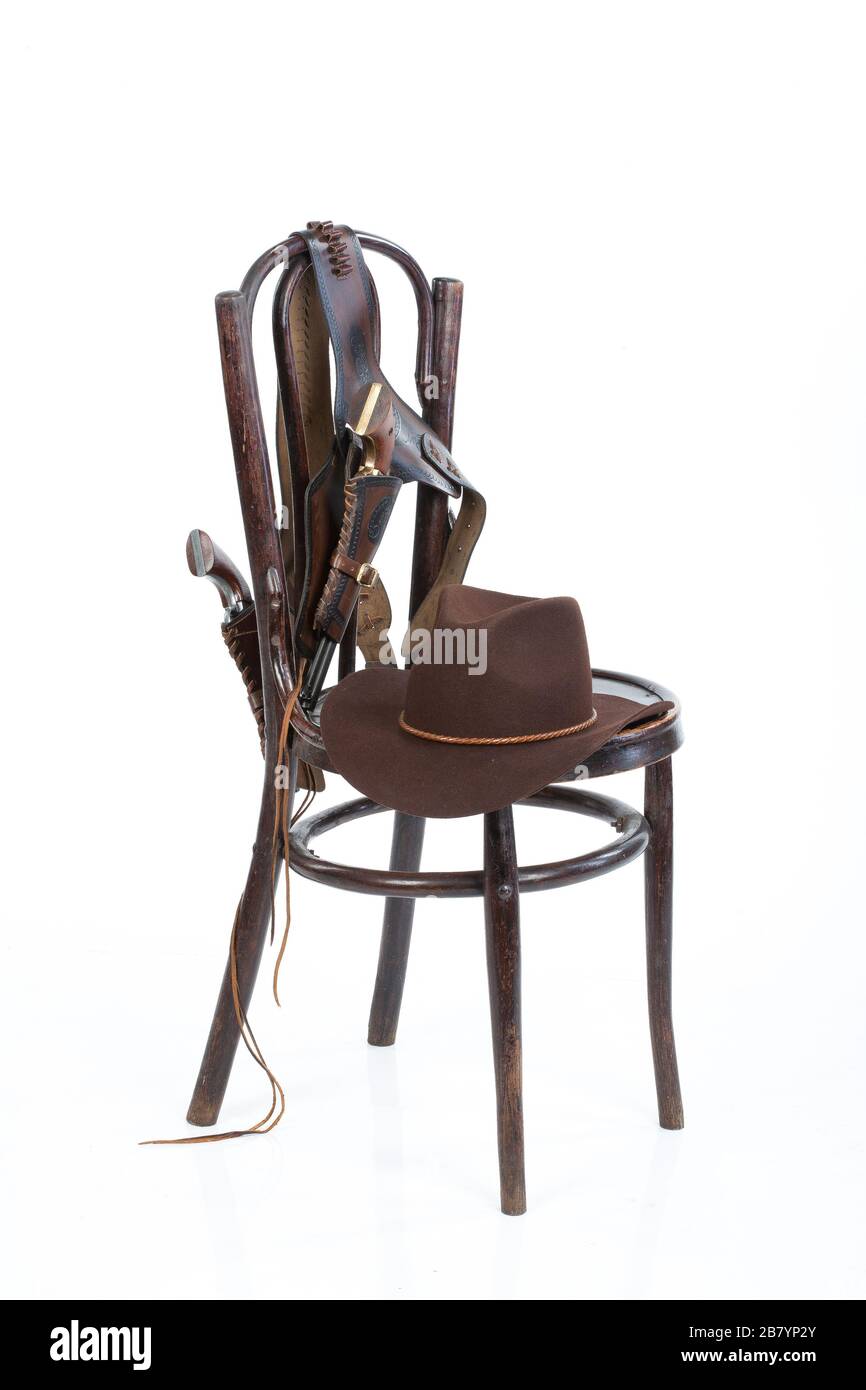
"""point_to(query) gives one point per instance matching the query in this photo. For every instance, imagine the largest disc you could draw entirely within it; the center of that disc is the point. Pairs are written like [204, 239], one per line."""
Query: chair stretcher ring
[632, 839]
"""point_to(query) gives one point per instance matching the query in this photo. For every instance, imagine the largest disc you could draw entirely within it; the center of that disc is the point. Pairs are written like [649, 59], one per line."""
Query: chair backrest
[276, 541]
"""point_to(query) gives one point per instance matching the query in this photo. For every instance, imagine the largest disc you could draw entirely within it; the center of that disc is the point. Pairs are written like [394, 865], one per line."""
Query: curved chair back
[275, 538]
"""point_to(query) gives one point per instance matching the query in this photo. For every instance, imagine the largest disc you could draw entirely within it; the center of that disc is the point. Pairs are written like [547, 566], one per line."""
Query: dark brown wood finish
[253, 923]
[632, 839]
[501, 880]
[258, 508]
[431, 508]
[234, 312]
[406, 844]
[659, 870]
[502, 926]
[431, 535]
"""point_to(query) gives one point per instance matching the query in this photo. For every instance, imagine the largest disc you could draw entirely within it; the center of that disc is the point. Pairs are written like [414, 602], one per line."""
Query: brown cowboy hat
[447, 737]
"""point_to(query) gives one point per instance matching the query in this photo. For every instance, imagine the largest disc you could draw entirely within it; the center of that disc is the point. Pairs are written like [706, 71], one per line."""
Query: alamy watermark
[76, 1343]
[440, 646]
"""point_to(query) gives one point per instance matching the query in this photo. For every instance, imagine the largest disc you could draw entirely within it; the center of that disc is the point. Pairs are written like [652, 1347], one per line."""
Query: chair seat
[635, 747]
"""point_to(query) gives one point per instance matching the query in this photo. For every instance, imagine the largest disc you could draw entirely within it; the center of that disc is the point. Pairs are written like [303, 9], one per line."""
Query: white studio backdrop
[659, 215]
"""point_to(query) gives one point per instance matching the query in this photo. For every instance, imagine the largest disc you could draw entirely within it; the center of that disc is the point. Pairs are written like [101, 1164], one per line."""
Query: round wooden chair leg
[406, 845]
[502, 923]
[253, 926]
[658, 864]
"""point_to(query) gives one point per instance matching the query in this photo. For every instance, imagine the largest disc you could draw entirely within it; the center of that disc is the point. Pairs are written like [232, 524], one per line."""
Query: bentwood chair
[258, 629]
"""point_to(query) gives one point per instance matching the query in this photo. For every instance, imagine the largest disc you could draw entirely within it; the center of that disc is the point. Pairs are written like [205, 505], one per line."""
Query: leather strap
[346, 297]
[311, 417]
[458, 552]
[360, 570]
[349, 308]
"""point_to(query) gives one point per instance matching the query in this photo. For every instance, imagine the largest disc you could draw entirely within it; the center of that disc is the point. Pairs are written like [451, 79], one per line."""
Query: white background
[660, 217]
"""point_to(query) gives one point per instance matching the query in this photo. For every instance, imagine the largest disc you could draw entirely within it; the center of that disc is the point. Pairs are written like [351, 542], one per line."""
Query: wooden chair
[501, 881]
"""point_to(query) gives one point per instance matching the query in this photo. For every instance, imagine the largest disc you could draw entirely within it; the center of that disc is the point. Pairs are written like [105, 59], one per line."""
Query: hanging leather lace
[280, 842]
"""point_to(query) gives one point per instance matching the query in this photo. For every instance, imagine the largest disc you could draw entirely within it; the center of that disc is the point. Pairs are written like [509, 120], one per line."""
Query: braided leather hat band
[512, 738]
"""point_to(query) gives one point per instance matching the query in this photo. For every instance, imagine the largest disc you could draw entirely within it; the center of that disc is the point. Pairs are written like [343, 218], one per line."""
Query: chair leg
[659, 866]
[253, 923]
[406, 845]
[502, 923]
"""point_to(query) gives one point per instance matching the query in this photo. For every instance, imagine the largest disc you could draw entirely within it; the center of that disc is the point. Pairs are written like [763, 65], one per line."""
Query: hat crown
[499, 666]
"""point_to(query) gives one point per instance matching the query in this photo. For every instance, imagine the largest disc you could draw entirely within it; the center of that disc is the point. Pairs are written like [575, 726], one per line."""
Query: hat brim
[364, 741]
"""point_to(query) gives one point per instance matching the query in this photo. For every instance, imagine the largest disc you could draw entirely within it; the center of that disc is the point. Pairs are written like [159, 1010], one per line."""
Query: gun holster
[369, 500]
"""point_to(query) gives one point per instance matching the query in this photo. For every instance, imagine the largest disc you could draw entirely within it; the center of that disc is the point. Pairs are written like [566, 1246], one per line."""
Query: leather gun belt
[410, 451]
